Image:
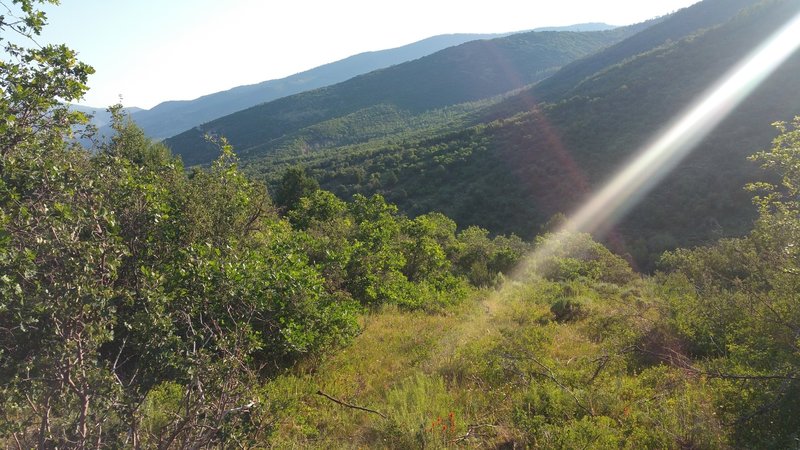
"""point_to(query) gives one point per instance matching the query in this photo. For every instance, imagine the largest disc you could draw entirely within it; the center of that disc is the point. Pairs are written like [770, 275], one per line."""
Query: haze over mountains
[101, 116]
[172, 117]
[472, 71]
[509, 164]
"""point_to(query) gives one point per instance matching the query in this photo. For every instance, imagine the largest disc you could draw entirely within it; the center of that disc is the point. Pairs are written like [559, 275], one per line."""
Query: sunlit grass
[489, 363]
[374, 371]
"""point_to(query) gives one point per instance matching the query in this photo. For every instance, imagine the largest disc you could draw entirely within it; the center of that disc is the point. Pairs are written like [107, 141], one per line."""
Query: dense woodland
[508, 163]
[329, 116]
[172, 117]
[146, 304]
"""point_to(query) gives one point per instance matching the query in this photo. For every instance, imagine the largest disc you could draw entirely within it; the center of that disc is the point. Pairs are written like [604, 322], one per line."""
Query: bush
[569, 256]
[568, 309]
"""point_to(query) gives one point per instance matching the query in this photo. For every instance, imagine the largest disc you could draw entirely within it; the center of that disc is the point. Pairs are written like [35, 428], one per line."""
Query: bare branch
[470, 432]
[348, 405]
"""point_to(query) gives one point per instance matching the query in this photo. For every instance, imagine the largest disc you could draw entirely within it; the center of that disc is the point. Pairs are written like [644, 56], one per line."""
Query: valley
[467, 242]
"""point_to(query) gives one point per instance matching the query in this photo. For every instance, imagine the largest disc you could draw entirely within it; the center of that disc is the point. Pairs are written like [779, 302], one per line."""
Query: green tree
[482, 259]
[59, 252]
[128, 286]
[374, 270]
[577, 255]
[735, 303]
[34, 81]
[425, 247]
[295, 184]
[327, 232]
[215, 292]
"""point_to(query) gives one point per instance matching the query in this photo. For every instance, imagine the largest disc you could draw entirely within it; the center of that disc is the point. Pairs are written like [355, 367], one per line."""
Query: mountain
[543, 150]
[100, 116]
[581, 27]
[172, 117]
[679, 25]
[469, 72]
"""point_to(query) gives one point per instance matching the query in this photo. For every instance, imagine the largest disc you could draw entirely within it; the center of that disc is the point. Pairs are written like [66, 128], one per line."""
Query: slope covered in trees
[528, 159]
[170, 118]
[471, 71]
[143, 305]
[677, 26]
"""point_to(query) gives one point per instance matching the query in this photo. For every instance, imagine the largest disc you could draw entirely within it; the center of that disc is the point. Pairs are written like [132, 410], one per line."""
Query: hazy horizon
[150, 52]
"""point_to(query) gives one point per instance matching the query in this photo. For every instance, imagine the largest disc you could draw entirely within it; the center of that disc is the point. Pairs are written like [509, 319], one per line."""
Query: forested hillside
[170, 118]
[472, 71]
[528, 160]
[146, 304]
[681, 24]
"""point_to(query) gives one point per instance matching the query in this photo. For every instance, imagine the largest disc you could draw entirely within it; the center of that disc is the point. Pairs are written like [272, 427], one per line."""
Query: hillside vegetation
[163, 309]
[170, 118]
[468, 72]
[524, 160]
[144, 304]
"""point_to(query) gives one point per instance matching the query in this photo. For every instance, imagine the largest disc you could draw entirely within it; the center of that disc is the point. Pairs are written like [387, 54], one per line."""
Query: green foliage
[295, 184]
[318, 207]
[567, 309]
[130, 285]
[146, 306]
[783, 199]
[59, 252]
[482, 259]
[738, 305]
[366, 249]
[567, 256]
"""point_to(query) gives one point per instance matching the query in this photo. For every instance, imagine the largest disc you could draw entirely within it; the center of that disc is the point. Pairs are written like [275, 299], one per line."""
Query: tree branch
[348, 405]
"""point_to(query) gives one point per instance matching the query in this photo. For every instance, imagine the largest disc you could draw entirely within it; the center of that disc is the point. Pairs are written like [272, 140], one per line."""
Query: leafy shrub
[568, 309]
[569, 256]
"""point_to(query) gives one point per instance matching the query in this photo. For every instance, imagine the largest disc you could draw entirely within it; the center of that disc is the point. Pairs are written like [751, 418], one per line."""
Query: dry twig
[348, 405]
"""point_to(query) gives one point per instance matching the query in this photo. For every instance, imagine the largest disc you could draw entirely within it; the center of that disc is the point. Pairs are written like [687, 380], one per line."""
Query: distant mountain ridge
[172, 117]
[100, 116]
[579, 28]
[468, 72]
[678, 25]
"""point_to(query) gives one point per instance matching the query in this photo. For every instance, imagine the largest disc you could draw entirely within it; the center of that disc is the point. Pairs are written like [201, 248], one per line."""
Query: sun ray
[625, 189]
[676, 141]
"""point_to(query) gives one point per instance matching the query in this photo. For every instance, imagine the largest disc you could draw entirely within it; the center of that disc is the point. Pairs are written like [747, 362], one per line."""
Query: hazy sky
[151, 51]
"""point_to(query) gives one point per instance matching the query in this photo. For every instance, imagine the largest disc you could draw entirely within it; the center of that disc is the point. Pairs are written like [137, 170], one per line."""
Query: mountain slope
[531, 160]
[687, 21]
[469, 72]
[100, 116]
[172, 117]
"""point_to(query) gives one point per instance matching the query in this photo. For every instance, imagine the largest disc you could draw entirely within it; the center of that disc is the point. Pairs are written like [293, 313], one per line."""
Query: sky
[150, 51]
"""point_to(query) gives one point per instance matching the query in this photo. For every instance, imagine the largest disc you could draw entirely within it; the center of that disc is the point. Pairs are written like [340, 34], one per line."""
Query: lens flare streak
[657, 159]
[675, 142]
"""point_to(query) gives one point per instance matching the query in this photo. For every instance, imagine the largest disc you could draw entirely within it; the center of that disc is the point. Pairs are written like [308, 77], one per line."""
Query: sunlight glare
[675, 142]
[657, 159]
